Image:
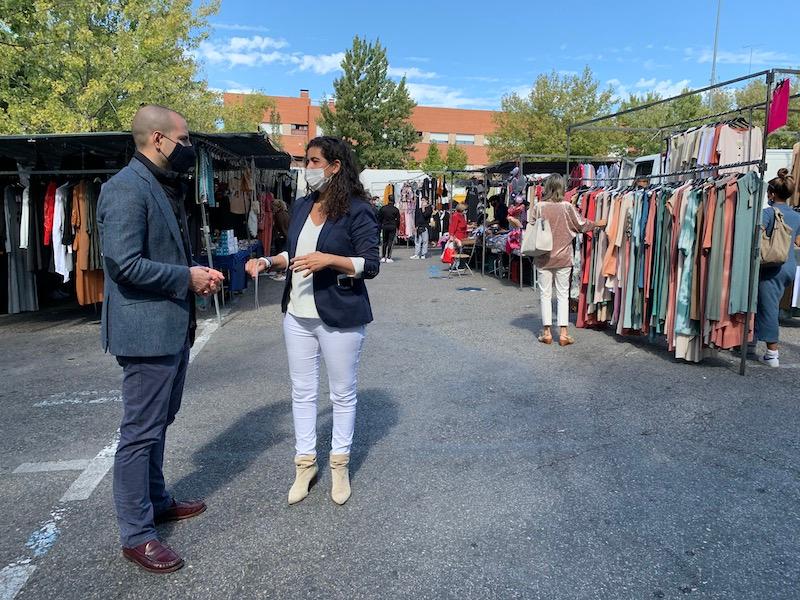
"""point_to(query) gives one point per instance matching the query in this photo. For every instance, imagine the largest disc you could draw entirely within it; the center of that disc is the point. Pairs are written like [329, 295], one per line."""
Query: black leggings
[388, 242]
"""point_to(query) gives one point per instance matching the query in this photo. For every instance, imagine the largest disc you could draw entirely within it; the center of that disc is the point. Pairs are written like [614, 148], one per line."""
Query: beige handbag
[775, 248]
[538, 237]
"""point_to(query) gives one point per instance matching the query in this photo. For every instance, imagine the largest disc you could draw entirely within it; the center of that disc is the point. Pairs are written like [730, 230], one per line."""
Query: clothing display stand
[769, 78]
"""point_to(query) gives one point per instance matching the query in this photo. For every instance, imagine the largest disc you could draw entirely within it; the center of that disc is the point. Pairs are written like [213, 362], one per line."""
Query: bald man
[148, 323]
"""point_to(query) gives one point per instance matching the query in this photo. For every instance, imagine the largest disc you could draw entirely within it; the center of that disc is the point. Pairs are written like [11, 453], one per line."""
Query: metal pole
[521, 258]
[206, 233]
[716, 44]
[485, 216]
[756, 249]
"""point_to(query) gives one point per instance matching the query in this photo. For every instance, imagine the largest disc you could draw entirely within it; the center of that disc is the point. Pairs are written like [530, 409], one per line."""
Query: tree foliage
[87, 65]
[456, 158]
[640, 143]
[537, 123]
[433, 160]
[371, 110]
[247, 113]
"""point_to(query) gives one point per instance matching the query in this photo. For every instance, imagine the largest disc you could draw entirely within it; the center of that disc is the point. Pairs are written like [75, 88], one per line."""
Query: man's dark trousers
[152, 388]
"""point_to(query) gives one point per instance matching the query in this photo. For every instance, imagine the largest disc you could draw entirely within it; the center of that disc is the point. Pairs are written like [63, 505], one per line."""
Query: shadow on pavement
[375, 418]
[231, 453]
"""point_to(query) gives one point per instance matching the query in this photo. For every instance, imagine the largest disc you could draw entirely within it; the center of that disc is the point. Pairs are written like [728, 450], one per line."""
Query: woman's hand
[600, 223]
[255, 266]
[311, 263]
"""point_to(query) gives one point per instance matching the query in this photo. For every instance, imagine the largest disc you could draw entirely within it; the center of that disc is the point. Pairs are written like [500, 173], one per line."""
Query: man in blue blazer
[148, 322]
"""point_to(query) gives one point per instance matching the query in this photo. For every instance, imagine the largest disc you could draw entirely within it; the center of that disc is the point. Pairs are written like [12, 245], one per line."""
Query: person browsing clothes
[565, 224]
[148, 323]
[333, 248]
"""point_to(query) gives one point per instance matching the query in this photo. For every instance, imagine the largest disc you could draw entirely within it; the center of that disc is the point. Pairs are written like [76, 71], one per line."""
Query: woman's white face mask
[316, 179]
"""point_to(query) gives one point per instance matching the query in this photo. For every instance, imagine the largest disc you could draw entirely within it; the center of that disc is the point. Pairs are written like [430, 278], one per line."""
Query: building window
[463, 139]
[419, 135]
[440, 138]
[299, 129]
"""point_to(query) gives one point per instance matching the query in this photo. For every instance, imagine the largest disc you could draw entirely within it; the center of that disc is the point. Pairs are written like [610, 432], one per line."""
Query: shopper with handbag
[555, 266]
[781, 233]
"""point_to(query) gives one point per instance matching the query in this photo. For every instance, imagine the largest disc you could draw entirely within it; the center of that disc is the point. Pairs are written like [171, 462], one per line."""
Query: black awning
[113, 150]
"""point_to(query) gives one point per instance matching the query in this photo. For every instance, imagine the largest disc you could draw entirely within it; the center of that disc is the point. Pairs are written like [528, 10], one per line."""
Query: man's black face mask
[182, 158]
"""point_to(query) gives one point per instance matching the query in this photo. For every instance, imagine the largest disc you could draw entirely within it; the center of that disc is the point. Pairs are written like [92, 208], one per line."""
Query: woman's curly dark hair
[345, 185]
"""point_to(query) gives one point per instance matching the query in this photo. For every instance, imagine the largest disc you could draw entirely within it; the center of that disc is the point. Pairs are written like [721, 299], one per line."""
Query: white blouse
[301, 296]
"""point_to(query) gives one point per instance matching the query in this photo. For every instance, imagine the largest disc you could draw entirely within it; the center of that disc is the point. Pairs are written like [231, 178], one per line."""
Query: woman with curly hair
[332, 249]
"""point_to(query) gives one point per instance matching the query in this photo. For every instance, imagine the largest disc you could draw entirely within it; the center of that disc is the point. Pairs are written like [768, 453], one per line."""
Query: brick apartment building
[466, 128]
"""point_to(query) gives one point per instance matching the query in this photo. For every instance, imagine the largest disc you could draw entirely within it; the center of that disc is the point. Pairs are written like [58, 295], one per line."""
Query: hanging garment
[779, 107]
[62, 255]
[22, 296]
[88, 282]
[49, 208]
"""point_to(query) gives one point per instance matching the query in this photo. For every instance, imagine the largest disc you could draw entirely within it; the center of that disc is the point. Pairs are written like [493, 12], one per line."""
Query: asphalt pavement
[485, 465]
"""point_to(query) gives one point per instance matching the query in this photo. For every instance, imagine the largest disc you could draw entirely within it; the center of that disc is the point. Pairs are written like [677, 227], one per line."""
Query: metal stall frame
[769, 79]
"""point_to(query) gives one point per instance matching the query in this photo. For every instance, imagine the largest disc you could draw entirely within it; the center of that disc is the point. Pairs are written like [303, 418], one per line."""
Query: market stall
[50, 183]
[679, 256]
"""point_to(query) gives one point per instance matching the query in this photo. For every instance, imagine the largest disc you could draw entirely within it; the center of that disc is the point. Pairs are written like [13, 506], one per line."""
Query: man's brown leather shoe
[154, 556]
[180, 510]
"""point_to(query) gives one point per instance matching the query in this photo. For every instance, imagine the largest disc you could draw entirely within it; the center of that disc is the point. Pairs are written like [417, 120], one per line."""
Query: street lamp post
[716, 44]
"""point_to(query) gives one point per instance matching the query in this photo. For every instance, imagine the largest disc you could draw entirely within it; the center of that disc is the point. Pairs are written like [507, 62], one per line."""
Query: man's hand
[255, 266]
[205, 281]
[311, 263]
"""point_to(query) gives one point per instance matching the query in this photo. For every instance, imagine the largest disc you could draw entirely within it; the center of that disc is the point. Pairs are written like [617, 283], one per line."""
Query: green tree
[371, 111]
[755, 93]
[433, 160]
[456, 158]
[656, 118]
[86, 65]
[249, 112]
[537, 123]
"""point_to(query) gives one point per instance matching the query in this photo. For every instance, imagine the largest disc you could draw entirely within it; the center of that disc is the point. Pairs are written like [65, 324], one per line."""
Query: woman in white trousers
[556, 266]
[332, 249]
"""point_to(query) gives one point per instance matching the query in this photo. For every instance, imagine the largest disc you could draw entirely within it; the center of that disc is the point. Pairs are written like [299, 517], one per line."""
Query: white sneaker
[383, 260]
[389, 260]
[770, 360]
[423, 257]
[415, 257]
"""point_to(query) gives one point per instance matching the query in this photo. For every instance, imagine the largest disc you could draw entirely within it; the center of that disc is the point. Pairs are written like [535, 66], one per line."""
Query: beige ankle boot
[340, 478]
[305, 471]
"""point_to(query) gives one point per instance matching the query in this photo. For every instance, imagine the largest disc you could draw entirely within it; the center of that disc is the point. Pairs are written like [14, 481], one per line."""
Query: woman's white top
[301, 296]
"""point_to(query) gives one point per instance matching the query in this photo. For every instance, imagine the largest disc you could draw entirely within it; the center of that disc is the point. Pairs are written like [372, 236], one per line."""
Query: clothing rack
[769, 77]
[702, 169]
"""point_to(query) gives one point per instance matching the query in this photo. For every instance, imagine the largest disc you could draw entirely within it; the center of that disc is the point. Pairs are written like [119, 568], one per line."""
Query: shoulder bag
[775, 248]
[538, 237]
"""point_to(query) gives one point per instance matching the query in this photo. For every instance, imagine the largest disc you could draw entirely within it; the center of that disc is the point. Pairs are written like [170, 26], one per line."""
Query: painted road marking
[49, 467]
[85, 397]
[93, 474]
[14, 576]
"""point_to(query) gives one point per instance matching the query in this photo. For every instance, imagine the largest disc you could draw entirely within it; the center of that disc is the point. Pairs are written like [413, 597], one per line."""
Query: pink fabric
[779, 108]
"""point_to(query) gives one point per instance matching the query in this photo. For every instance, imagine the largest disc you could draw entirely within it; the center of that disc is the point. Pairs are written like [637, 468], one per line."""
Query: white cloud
[321, 64]
[421, 59]
[253, 52]
[411, 73]
[743, 57]
[665, 88]
[255, 42]
[237, 27]
[444, 96]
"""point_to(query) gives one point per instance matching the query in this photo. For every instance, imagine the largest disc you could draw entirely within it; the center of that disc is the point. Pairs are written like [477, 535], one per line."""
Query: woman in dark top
[332, 249]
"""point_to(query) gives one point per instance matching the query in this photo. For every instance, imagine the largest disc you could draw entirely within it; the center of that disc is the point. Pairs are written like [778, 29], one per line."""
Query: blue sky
[469, 54]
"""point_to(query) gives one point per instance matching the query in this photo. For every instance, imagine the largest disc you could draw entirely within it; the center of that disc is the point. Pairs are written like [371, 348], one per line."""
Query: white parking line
[14, 576]
[49, 467]
[93, 474]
